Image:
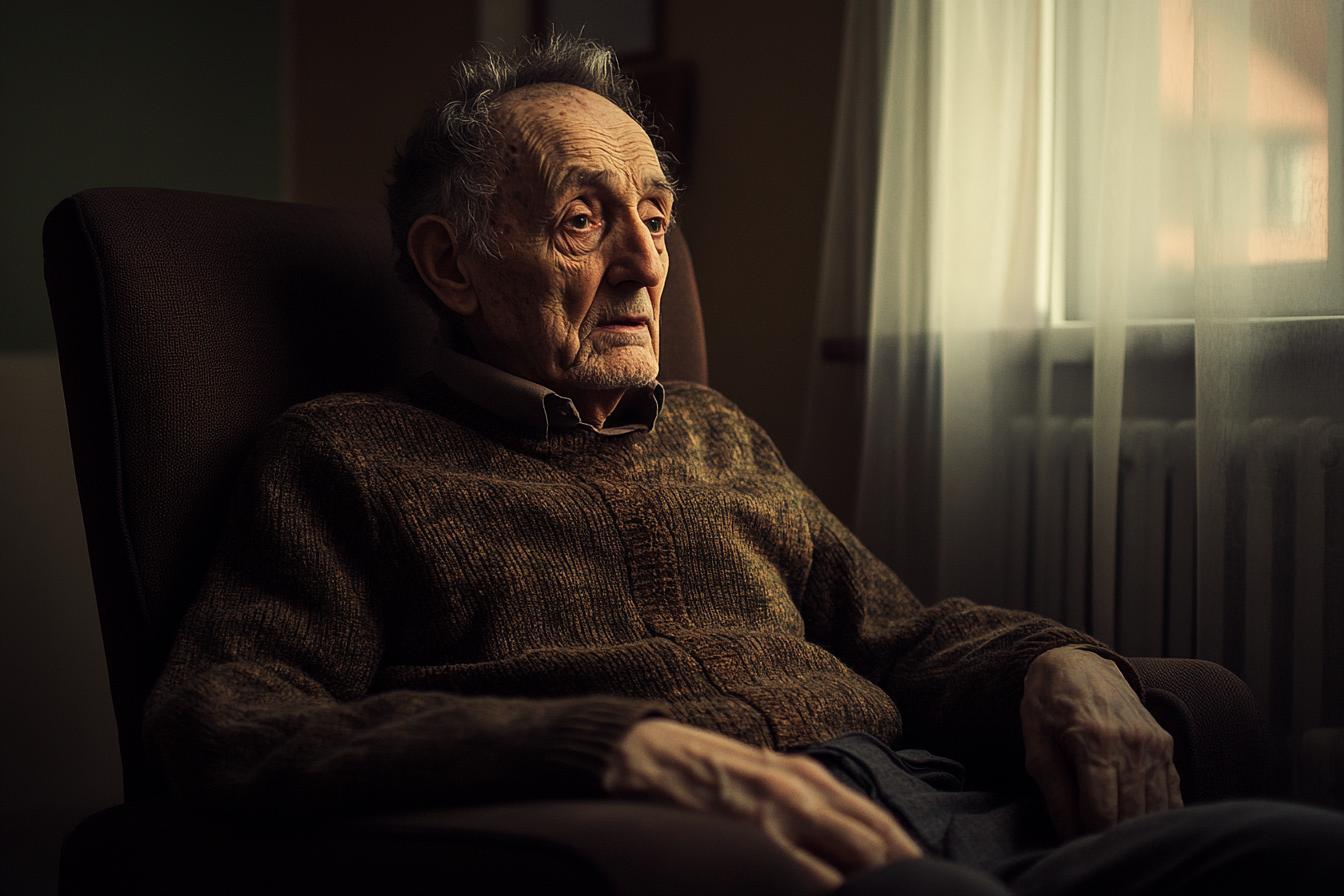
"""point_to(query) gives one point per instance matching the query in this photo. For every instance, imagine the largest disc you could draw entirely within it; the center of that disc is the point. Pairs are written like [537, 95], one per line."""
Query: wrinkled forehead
[553, 133]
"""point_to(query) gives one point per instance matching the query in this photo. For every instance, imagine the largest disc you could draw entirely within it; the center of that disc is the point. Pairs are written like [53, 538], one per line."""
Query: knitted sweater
[416, 602]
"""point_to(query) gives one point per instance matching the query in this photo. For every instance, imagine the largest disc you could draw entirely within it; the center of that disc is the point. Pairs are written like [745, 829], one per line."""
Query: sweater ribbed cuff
[584, 739]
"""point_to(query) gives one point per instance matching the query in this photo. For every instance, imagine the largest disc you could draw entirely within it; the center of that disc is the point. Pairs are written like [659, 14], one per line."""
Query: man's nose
[637, 257]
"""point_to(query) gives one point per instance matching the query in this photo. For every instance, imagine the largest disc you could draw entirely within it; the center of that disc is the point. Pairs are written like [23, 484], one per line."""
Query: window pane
[1238, 103]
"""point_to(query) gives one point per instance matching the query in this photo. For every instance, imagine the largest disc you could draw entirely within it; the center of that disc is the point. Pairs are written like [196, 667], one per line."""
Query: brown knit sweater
[416, 602]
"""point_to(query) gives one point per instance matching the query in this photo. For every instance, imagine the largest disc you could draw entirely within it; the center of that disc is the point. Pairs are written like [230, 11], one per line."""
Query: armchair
[184, 322]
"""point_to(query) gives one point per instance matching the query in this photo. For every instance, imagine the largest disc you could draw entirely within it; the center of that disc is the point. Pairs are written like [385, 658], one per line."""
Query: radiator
[1280, 625]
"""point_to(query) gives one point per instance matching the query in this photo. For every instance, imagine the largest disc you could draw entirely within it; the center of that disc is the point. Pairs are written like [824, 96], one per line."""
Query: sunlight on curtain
[1104, 371]
[982, 248]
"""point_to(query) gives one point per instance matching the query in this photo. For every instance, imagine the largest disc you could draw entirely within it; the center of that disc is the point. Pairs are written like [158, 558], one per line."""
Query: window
[1144, 111]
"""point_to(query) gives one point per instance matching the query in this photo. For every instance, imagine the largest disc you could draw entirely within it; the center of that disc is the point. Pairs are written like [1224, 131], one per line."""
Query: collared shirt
[537, 407]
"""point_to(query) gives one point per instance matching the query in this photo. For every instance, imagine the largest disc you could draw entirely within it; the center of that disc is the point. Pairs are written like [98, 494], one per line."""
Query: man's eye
[579, 222]
[656, 225]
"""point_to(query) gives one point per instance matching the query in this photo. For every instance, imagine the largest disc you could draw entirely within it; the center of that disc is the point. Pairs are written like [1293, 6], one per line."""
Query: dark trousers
[994, 844]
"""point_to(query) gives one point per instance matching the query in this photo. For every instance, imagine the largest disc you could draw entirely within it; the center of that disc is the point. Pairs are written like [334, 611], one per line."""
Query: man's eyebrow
[605, 178]
[659, 184]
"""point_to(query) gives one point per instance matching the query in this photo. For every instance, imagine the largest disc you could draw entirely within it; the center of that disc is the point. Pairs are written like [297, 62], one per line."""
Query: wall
[91, 94]
[360, 74]
[768, 76]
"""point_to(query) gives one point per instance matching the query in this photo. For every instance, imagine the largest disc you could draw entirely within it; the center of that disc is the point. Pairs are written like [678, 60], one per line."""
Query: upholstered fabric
[560, 847]
[1222, 748]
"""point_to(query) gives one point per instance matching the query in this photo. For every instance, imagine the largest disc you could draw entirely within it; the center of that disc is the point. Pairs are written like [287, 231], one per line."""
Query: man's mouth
[625, 323]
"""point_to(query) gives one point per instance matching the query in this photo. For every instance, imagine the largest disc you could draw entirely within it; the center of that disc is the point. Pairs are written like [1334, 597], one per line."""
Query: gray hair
[451, 164]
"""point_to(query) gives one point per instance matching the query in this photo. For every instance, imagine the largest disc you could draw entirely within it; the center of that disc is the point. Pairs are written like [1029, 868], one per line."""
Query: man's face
[581, 214]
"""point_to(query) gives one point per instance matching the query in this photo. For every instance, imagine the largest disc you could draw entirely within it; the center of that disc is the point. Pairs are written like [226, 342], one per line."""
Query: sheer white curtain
[1100, 261]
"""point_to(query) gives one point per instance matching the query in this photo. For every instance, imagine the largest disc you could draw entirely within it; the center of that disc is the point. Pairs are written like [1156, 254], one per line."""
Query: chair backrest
[186, 321]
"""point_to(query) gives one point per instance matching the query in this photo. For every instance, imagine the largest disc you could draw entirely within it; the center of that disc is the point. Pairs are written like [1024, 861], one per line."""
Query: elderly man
[538, 571]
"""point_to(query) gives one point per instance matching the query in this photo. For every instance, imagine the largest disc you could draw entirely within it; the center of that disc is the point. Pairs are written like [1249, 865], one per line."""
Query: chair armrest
[1222, 749]
[615, 847]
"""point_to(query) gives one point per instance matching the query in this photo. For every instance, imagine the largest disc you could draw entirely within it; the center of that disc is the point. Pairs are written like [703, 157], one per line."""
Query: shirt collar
[537, 407]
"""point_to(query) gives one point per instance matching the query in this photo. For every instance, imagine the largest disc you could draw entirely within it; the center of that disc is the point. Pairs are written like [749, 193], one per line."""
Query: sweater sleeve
[955, 670]
[266, 696]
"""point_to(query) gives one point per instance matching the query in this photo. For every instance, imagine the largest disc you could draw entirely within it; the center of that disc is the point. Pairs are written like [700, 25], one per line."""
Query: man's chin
[609, 374]
[610, 383]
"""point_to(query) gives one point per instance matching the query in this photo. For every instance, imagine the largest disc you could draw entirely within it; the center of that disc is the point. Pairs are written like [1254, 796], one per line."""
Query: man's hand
[1096, 753]
[829, 828]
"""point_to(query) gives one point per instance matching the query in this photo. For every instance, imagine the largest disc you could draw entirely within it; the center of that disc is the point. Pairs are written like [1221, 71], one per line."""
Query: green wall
[127, 93]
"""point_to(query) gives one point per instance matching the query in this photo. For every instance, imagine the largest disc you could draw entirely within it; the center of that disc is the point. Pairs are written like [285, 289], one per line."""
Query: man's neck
[594, 406]
[535, 404]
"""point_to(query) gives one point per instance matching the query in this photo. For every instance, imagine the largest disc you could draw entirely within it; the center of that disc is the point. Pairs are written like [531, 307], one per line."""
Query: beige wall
[768, 77]
[359, 74]
[58, 696]
[59, 759]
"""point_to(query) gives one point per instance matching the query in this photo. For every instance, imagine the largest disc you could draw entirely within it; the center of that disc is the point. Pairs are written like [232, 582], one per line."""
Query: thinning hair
[451, 164]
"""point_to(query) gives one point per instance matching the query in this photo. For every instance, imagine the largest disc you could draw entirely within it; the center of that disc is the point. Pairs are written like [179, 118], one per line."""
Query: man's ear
[437, 255]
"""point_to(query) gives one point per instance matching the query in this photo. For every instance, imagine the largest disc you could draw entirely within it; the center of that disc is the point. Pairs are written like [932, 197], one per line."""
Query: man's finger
[834, 822]
[825, 875]
[1132, 783]
[1054, 775]
[1157, 792]
[836, 839]
[826, 826]
[1174, 798]
[1098, 796]
[897, 842]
